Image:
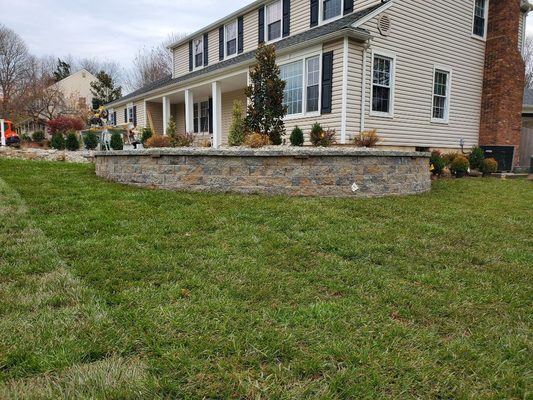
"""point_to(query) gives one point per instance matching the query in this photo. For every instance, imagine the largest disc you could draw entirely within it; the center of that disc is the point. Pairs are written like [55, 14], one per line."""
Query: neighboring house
[412, 69]
[526, 138]
[70, 96]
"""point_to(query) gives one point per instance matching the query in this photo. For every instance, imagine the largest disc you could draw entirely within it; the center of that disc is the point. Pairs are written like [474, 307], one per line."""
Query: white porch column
[3, 132]
[217, 115]
[189, 111]
[166, 114]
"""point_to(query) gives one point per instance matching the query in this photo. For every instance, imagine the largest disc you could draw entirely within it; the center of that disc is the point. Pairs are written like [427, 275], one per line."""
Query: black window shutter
[134, 115]
[348, 6]
[240, 36]
[286, 18]
[206, 46]
[327, 82]
[221, 43]
[314, 13]
[210, 115]
[191, 61]
[126, 115]
[261, 25]
[114, 117]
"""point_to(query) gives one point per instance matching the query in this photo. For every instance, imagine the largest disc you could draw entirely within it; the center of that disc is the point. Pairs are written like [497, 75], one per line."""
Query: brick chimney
[503, 86]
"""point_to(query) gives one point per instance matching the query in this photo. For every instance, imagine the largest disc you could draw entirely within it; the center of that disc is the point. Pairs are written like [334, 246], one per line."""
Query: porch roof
[342, 26]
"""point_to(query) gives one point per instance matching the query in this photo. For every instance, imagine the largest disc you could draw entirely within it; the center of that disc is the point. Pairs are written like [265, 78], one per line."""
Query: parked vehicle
[12, 139]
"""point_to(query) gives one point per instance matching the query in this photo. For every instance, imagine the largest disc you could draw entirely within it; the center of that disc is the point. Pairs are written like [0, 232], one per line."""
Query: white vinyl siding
[416, 27]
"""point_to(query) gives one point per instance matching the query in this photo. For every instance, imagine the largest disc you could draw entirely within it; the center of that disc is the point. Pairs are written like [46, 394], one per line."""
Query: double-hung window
[274, 17]
[382, 85]
[231, 39]
[130, 114]
[480, 18]
[331, 9]
[201, 117]
[198, 49]
[441, 95]
[302, 86]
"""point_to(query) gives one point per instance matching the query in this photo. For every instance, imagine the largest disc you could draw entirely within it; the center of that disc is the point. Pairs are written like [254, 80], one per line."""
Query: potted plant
[459, 166]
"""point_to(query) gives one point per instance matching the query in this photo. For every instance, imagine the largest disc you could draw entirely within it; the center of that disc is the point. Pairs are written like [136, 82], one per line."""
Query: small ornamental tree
[476, 158]
[297, 137]
[58, 142]
[237, 132]
[266, 109]
[65, 124]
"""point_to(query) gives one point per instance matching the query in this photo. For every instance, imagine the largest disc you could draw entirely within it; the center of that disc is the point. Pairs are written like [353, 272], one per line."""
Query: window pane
[440, 95]
[332, 8]
[479, 18]
[273, 20]
[231, 47]
[204, 116]
[198, 52]
[196, 118]
[313, 81]
[381, 99]
[292, 74]
[274, 31]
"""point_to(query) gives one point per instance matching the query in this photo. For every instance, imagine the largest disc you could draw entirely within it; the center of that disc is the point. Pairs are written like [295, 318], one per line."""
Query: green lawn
[108, 291]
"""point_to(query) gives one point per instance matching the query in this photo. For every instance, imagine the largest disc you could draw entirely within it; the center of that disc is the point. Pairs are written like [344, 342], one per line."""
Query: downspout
[344, 116]
[366, 46]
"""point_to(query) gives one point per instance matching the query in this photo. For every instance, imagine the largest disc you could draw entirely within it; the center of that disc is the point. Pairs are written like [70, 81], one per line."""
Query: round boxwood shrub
[459, 166]
[57, 142]
[297, 137]
[116, 141]
[72, 143]
[90, 140]
[38, 136]
[490, 165]
[476, 158]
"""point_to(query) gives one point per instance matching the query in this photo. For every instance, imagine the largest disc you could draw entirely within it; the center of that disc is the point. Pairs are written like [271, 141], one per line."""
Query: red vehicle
[12, 139]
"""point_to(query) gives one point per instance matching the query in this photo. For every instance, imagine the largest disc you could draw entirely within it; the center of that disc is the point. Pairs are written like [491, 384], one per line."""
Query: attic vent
[384, 25]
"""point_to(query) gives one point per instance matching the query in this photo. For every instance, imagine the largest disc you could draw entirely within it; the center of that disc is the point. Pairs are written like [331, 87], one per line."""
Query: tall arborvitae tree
[266, 109]
[104, 90]
[62, 71]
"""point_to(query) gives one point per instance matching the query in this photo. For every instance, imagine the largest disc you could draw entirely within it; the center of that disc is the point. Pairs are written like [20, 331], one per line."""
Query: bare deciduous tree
[14, 70]
[151, 64]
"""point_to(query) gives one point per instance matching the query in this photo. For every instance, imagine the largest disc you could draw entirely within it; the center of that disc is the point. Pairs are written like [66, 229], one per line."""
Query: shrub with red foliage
[65, 124]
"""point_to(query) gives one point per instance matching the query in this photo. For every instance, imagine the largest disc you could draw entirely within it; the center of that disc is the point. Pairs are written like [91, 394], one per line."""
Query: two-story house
[425, 74]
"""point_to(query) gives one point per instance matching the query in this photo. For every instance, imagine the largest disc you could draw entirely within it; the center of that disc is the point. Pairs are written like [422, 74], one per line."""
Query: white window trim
[226, 56]
[304, 114]
[484, 37]
[321, 19]
[392, 56]
[194, 67]
[449, 71]
[266, 23]
[129, 107]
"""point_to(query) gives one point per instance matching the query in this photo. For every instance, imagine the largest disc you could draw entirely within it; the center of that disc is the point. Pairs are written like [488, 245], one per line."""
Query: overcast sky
[111, 30]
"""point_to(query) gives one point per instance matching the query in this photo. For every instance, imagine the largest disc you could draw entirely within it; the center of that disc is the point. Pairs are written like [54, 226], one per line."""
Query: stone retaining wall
[334, 172]
[79, 157]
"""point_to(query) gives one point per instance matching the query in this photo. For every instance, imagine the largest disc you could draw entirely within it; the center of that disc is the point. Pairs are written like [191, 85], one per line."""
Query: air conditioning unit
[503, 154]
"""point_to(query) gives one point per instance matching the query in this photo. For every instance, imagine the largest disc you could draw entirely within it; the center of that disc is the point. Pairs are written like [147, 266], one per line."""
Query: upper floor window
[231, 39]
[331, 9]
[198, 49]
[274, 17]
[480, 18]
[302, 86]
[441, 95]
[382, 85]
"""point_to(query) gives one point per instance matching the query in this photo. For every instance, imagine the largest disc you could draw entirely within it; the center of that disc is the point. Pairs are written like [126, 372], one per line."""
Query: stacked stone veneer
[293, 172]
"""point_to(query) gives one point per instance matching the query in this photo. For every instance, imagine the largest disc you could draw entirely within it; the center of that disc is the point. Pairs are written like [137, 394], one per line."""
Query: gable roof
[340, 27]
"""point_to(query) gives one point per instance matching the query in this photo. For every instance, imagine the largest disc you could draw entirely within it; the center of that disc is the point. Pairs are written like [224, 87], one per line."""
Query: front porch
[205, 110]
